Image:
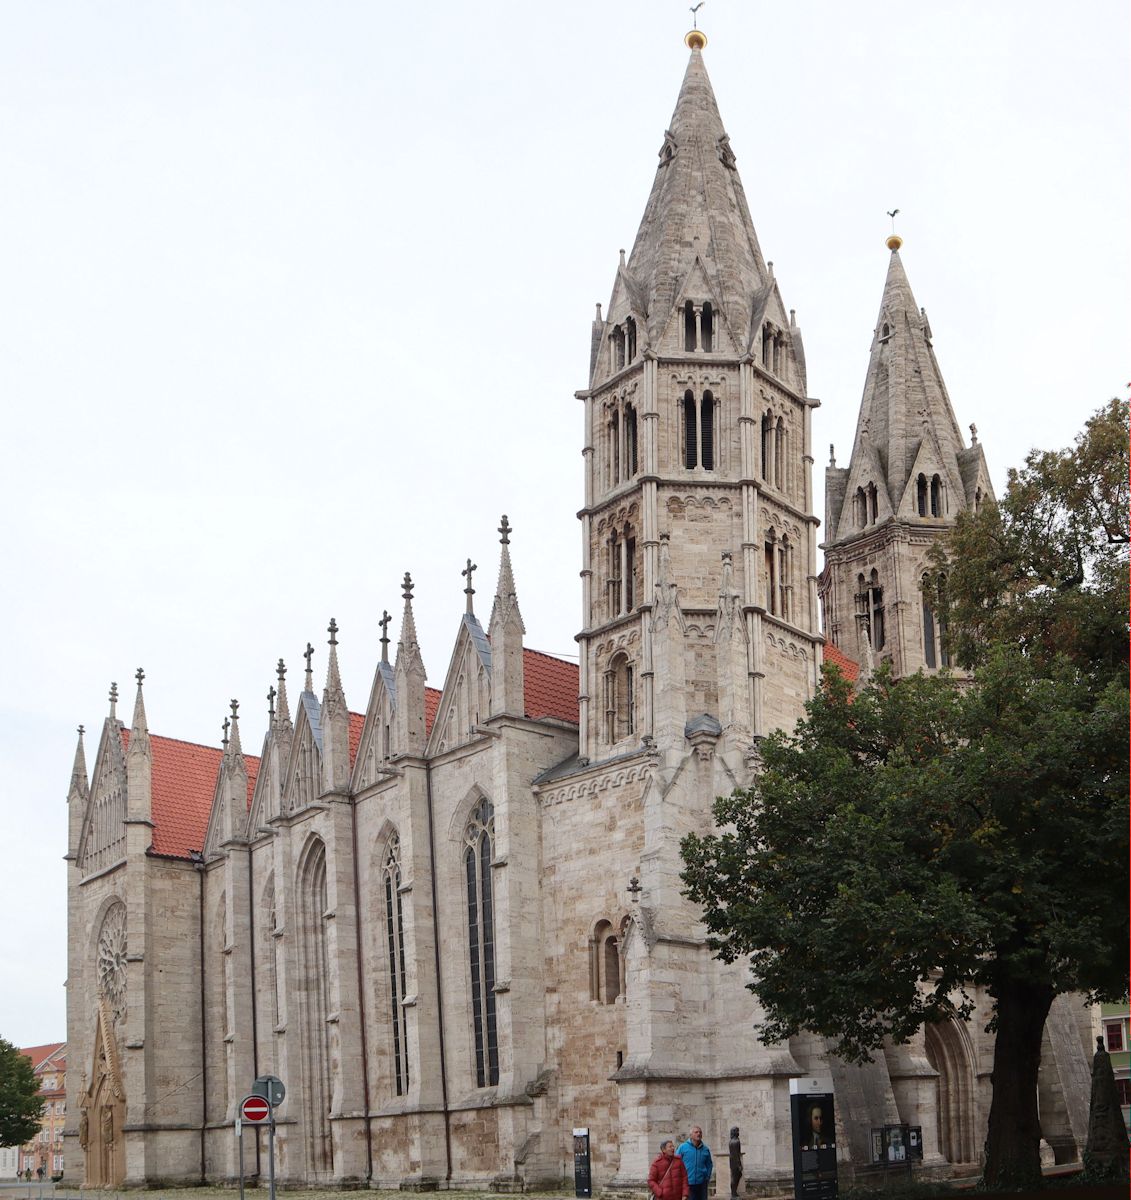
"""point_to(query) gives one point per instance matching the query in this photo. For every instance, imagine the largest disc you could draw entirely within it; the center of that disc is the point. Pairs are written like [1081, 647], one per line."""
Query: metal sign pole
[239, 1136]
[271, 1152]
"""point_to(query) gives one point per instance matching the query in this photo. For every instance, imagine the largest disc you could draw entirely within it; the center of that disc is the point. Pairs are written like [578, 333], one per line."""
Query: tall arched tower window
[935, 652]
[690, 432]
[315, 996]
[707, 431]
[779, 453]
[630, 461]
[689, 326]
[630, 338]
[921, 494]
[768, 446]
[394, 944]
[479, 837]
[873, 504]
[708, 324]
[936, 496]
[620, 699]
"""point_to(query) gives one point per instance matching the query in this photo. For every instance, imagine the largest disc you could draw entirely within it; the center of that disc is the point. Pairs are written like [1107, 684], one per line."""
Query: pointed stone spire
[234, 747]
[506, 632]
[409, 718]
[384, 623]
[79, 779]
[139, 760]
[697, 209]
[333, 677]
[335, 719]
[139, 730]
[282, 708]
[308, 654]
[78, 797]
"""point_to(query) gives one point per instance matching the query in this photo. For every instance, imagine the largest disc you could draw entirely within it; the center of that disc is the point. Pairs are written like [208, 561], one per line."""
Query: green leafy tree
[922, 836]
[20, 1104]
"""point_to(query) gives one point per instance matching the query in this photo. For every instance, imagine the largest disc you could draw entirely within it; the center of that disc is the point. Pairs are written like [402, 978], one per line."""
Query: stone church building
[452, 922]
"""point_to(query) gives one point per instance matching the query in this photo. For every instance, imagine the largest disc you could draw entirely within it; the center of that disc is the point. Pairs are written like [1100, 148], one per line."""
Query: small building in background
[46, 1148]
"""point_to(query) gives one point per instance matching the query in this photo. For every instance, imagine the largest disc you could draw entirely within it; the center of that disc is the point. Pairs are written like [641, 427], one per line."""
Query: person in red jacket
[667, 1177]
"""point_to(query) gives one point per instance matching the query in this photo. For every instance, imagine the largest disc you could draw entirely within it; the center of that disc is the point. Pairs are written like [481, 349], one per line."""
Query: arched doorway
[103, 1105]
[950, 1053]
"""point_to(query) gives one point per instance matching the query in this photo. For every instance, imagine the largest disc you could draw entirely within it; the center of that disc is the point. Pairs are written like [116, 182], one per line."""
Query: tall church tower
[909, 476]
[699, 597]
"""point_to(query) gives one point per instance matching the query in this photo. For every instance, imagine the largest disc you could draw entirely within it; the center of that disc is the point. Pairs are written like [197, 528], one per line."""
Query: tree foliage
[1046, 569]
[919, 837]
[20, 1104]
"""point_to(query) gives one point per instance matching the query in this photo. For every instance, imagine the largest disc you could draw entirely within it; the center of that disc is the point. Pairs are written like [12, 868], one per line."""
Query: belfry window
[690, 458]
[477, 856]
[394, 935]
[614, 448]
[921, 495]
[630, 338]
[870, 608]
[630, 464]
[767, 347]
[772, 564]
[618, 348]
[873, 505]
[622, 575]
[779, 452]
[768, 447]
[707, 431]
[620, 700]
[708, 326]
[936, 496]
[689, 342]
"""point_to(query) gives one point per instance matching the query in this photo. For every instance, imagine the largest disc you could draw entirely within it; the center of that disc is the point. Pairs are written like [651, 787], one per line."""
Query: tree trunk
[1013, 1138]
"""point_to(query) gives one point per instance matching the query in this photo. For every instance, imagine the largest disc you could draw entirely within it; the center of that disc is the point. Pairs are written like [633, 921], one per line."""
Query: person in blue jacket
[696, 1155]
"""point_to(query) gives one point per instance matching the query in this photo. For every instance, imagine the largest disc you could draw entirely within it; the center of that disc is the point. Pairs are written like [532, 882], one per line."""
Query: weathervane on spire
[695, 39]
[895, 241]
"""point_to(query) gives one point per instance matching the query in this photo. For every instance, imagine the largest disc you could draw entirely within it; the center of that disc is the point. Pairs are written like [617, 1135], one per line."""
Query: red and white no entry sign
[255, 1110]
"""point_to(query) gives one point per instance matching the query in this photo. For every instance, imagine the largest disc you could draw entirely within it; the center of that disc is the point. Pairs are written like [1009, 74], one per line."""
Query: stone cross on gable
[332, 630]
[384, 623]
[139, 675]
[82, 730]
[469, 591]
[225, 727]
[271, 694]
[308, 654]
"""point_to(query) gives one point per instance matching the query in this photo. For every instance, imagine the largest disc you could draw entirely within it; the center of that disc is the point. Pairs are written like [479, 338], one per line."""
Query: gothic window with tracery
[112, 959]
[479, 838]
[935, 652]
[394, 936]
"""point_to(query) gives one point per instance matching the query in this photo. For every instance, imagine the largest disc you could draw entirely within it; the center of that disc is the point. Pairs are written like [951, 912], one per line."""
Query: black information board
[582, 1164]
[814, 1145]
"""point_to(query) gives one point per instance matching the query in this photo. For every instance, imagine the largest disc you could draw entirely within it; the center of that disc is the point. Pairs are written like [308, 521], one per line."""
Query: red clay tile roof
[184, 773]
[837, 657]
[550, 686]
[357, 724]
[184, 784]
[431, 707]
[40, 1054]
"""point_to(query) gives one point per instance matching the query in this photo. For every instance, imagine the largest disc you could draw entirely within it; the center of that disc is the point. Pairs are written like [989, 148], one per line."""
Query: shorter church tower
[909, 476]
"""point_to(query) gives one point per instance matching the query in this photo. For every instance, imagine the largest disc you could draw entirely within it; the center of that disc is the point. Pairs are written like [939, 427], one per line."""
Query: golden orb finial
[894, 242]
[695, 39]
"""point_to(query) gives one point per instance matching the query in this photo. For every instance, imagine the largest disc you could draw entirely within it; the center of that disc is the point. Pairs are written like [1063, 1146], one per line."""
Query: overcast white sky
[295, 297]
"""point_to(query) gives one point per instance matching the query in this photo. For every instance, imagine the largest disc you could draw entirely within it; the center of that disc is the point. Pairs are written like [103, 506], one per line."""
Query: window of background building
[1113, 1036]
